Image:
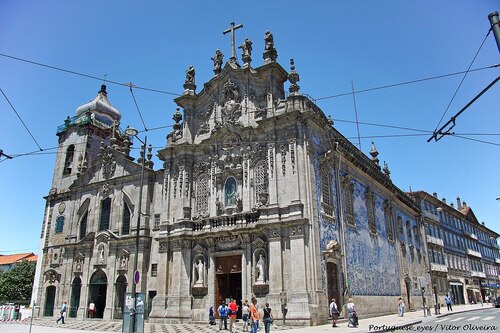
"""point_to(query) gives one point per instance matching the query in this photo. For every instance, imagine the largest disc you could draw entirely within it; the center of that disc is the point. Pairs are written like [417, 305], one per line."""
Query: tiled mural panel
[371, 260]
[410, 260]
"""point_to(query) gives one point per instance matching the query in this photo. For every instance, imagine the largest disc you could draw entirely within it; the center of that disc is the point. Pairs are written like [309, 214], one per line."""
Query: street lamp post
[133, 132]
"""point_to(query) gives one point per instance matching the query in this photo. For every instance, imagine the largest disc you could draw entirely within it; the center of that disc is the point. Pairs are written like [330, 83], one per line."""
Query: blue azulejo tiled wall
[372, 265]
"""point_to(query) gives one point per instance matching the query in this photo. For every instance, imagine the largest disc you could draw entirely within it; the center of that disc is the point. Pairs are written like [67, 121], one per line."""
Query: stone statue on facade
[189, 83]
[261, 268]
[101, 255]
[200, 270]
[246, 55]
[270, 53]
[218, 60]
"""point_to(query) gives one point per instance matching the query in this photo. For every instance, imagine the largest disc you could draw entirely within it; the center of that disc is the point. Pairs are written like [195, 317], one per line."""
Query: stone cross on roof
[233, 49]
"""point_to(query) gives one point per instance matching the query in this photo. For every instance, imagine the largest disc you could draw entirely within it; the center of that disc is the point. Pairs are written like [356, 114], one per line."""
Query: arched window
[126, 219]
[230, 192]
[261, 182]
[105, 214]
[68, 163]
[202, 195]
[83, 226]
[60, 224]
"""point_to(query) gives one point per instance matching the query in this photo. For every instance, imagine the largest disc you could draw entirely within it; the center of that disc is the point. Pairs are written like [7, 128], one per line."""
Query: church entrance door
[50, 295]
[98, 285]
[228, 281]
[333, 284]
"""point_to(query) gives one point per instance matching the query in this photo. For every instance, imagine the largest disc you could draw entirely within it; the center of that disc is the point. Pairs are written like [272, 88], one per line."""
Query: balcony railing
[431, 215]
[439, 268]
[225, 221]
[497, 260]
[434, 240]
[474, 253]
[478, 274]
[470, 235]
[327, 209]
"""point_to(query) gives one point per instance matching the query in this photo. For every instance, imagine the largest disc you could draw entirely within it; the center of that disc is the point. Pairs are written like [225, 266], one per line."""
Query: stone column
[276, 295]
[160, 300]
[179, 297]
[298, 303]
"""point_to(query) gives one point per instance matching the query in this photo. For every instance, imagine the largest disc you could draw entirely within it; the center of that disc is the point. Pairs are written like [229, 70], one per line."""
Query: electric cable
[137, 106]
[18, 116]
[462, 81]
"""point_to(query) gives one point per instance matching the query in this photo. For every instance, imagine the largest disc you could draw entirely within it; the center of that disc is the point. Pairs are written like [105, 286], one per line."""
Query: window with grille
[105, 214]
[202, 195]
[60, 224]
[261, 182]
[370, 210]
[348, 200]
[83, 226]
[325, 188]
[388, 221]
[68, 162]
[157, 222]
[154, 270]
[126, 219]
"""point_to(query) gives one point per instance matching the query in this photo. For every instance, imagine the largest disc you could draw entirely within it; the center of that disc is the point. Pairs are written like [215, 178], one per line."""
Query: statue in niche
[200, 271]
[230, 195]
[123, 262]
[261, 268]
[101, 254]
[218, 59]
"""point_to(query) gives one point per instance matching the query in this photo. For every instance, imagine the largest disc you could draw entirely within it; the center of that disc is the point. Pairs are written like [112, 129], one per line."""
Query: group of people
[249, 314]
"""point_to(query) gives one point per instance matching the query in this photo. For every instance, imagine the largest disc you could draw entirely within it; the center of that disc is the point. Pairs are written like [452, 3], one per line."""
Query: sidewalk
[385, 323]
[374, 324]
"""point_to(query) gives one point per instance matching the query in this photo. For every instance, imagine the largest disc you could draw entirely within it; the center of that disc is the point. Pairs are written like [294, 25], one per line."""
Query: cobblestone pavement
[46, 325]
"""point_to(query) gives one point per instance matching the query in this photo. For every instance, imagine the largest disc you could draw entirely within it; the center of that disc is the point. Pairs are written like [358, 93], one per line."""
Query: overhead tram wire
[18, 116]
[408, 82]
[462, 81]
[137, 106]
[86, 75]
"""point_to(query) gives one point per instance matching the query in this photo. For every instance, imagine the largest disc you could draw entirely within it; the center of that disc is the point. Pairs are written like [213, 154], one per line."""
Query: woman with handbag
[268, 318]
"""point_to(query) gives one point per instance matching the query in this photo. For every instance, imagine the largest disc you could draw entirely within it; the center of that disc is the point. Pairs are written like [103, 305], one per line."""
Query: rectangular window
[154, 270]
[105, 214]
[156, 225]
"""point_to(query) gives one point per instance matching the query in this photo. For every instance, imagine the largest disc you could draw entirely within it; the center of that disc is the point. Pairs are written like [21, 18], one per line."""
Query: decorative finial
[388, 172]
[103, 90]
[189, 83]
[218, 59]
[293, 77]
[149, 163]
[177, 117]
[330, 120]
[374, 153]
[270, 54]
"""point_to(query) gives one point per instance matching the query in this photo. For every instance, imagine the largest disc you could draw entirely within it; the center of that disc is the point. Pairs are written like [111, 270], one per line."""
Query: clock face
[62, 208]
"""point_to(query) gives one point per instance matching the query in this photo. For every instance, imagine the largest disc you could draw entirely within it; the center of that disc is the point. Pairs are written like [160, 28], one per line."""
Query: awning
[456, 283]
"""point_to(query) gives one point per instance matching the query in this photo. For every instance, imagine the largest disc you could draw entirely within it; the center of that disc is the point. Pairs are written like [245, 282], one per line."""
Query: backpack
[223, 311]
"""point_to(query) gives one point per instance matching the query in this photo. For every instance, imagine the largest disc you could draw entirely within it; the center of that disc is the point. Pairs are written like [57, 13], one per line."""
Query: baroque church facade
[258, 195]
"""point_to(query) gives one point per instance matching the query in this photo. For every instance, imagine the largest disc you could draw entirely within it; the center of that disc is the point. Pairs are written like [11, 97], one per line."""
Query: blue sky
[336, 45]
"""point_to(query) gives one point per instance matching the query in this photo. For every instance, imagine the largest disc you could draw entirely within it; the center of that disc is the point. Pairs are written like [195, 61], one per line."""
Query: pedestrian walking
[334, 312]
[401, 307]
[351, 313]
[245, 311]
[267, 318]
[64, 306]
[447, 299]
[211, 316]
[223, 315]
[91, 309]
[254, 315]
[233, 309]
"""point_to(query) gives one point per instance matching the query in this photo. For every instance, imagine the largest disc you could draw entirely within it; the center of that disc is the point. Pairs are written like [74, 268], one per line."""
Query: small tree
[16, 283]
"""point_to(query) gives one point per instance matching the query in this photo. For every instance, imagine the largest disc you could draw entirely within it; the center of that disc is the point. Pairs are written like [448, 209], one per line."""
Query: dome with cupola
[100, 106]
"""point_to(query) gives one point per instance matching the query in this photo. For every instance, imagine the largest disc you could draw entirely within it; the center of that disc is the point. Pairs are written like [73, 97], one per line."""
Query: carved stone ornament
[105, 189]
[230, 102]
[108, 164]
[332, 250]
[227, 243]
[51, 276]
[198, 249]
[274, 233]
[163, 247]
[123, 257]
[258, 243]
[296, 230]
[78, 263]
